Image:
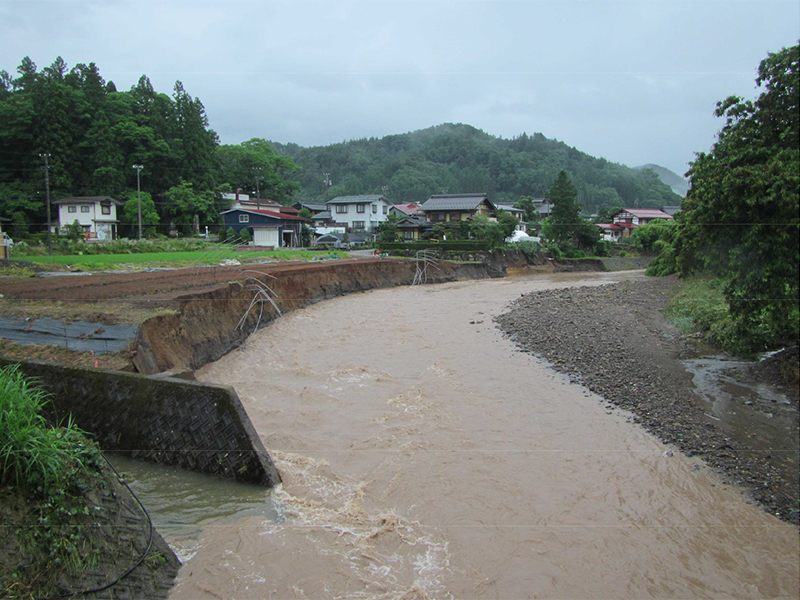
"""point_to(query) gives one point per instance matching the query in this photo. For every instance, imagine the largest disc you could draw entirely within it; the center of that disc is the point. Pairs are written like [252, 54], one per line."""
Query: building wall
[371, 219]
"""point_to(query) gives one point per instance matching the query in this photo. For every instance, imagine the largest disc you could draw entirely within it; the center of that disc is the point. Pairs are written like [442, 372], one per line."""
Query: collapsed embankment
[211, 323]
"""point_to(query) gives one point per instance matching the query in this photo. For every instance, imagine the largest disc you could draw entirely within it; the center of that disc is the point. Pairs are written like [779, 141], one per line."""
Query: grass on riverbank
[212, 255]
[44, 474]
[699, 307]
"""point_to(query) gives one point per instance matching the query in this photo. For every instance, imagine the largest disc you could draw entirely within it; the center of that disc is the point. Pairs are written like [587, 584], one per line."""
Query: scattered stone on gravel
[614, 340]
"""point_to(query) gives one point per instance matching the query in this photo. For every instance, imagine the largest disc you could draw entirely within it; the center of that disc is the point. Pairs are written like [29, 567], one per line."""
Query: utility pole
[46, 168]
[258, 191]
[139, 195]
[328, 183]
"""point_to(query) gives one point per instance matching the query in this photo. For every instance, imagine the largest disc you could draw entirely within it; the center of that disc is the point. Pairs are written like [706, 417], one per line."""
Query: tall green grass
[32, 452]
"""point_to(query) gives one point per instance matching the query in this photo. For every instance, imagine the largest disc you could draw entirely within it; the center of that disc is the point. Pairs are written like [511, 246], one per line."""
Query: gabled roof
[508, 207]
[85, 199]
[455, 202]
[358, 199]
[323, 216]
[312, 206]
[408, 208]
[266, 213]
[644, 213]
[610, 226]
[414, 222]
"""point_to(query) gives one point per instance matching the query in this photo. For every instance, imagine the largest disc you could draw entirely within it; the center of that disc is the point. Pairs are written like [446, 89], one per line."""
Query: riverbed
[422, 456]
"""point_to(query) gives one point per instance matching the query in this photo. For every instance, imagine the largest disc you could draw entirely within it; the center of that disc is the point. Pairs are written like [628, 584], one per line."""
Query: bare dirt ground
[157, 288]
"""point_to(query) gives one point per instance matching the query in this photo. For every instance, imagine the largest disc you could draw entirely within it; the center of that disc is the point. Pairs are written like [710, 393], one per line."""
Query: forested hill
[460, 158]
[678, 184]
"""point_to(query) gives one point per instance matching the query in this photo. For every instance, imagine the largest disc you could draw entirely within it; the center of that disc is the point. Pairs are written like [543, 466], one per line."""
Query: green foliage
[700, 306]
[507, 222]
[231, 236]
[130, 211]
[32, 453]
[460, 158]
[244, 235]
[602, 248]
[254, 165]
[482, 228]
[388, 231]
[74, 231]
[530, 214]
[305, 236]
[740, 220]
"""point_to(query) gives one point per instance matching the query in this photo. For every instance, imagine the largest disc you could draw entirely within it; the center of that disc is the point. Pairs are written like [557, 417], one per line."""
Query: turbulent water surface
[423, 457]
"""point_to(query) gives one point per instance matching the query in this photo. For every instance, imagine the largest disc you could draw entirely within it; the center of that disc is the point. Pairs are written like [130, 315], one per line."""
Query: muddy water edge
[422, 456]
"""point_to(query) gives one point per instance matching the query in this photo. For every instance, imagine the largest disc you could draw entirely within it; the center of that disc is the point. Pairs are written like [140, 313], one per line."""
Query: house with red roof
[269, 228]
[626, 220]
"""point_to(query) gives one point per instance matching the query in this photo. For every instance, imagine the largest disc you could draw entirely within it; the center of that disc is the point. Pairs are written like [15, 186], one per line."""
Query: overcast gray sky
[634, 81]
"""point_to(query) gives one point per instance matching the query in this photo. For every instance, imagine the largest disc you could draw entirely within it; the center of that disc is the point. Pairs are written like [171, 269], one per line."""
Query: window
[358, 224]
[408, 234]
[374, 209]
[85, 208]
[341, 209]
[361, 208]
[385, 209]
[105, 209]
[244, 218]
[72, 209]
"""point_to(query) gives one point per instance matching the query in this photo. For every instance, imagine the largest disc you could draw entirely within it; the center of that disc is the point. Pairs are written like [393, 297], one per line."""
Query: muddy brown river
[423, 457]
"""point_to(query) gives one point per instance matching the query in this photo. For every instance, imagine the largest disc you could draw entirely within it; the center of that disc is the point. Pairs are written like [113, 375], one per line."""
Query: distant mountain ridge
[678, 184]
[459, 158]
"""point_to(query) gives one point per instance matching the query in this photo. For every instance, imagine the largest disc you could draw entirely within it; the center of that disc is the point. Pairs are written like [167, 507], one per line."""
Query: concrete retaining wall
[186, 424]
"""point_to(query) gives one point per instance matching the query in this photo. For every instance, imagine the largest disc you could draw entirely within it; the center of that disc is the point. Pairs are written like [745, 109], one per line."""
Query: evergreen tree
[564, 218]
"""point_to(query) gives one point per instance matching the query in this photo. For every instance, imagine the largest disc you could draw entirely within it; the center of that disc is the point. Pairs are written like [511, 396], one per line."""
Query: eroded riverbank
[422, 456]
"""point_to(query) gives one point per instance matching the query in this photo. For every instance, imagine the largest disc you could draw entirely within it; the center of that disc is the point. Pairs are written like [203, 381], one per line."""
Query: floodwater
[423, 457]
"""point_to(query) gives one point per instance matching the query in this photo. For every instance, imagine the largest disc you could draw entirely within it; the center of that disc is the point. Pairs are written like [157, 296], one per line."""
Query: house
[413, 227]
[611, 232]
[516, 212]
[404, 210]
[631, 218]
[359, 213]
[97, 215]
[313, 207]
[456, 207]
[267, 227]
[242, 200]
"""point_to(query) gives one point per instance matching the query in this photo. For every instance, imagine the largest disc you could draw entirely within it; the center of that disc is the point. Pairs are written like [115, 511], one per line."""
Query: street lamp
[46, 168]
[139, 194]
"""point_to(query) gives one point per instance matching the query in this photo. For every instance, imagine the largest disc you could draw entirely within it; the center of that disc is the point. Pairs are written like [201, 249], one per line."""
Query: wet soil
[614, 340]
[115, 530]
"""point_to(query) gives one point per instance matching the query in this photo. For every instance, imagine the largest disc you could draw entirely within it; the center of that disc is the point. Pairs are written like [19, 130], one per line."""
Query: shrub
[244, 235]
[602, 248]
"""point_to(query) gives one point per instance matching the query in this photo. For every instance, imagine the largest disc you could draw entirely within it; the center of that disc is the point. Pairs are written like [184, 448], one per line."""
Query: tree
[130, 211]
[740, 217]
[564, 218]
[388, 231]
[530, 212]
[185, 206]
[507, 222]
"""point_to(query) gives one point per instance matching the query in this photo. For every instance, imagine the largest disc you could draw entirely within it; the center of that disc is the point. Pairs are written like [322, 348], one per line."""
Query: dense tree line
[93, 134]
[740, 221]
[462, 159]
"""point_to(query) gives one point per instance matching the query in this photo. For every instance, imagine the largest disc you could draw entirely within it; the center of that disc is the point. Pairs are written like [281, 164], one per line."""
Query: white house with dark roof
[456, 207]
[97, 215]
[359, 213]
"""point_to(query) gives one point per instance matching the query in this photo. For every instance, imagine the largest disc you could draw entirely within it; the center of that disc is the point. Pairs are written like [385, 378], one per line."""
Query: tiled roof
[313, 206]
[408, 209]
[609, 226]
[356, 199]
[454, 202]
[322, 216]
[645, 213]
